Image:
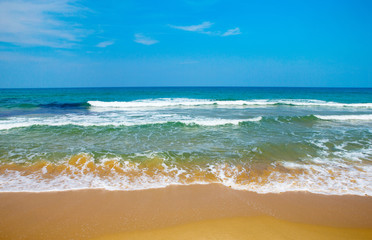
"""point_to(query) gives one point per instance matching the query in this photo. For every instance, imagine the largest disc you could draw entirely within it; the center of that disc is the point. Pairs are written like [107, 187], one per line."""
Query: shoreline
[186, 185]
[94, 213]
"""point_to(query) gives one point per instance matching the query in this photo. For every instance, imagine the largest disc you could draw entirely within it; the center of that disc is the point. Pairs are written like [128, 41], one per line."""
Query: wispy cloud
[105, 44]
[40, 23]
[230, 32]
[142, 39]
[204, 29]
[194, 28]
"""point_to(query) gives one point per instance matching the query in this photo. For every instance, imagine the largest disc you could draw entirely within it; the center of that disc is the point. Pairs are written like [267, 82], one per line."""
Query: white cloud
[105, 44]
[204, 26]
[40, 23]
[194, 28]
[230, 32]
[142, 39]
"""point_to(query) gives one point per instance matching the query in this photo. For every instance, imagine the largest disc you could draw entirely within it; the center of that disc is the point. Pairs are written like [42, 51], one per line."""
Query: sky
[80, 43]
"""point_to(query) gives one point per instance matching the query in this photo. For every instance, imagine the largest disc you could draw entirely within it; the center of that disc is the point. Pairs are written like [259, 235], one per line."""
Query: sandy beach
[185, 120]
[183, 212]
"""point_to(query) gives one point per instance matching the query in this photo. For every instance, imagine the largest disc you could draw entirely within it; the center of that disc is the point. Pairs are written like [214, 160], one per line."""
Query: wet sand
[183, 212]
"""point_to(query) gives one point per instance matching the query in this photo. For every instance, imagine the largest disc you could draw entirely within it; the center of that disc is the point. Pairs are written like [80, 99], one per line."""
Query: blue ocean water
[257, 139]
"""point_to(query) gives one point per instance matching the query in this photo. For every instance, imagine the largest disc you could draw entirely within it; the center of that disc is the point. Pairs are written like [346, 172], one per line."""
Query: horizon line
[19, 88]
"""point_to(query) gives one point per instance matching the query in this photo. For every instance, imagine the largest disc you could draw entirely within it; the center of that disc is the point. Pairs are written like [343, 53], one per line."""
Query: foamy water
[82, 172]
[115, 120]
[262, 140]
[361, 117]
[182, 102]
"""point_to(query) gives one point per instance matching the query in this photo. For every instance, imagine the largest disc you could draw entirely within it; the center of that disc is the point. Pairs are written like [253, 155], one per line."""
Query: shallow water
[259, 139]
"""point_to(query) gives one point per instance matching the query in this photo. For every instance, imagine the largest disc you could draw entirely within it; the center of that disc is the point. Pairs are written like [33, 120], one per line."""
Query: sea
[266, 140]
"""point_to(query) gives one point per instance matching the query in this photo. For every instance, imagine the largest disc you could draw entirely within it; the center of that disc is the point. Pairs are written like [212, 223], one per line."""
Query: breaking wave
[186, 102]
[120, 120]
[361, 117]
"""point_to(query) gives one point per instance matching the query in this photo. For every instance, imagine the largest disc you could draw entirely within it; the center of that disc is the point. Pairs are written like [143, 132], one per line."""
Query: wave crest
[186, 102]
[361, 117]
[120, 121]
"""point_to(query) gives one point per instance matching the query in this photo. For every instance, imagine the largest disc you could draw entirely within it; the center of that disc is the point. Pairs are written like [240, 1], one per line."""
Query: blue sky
[79, 43]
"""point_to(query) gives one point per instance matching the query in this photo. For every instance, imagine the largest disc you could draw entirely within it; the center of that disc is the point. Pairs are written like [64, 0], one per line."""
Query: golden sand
[183, 212]
[261, 227]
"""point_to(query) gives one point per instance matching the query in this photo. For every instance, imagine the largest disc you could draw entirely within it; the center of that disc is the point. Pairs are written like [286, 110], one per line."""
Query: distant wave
[186, 102]
[217, 122]
[117, 121]
[182, 102]
[365, 117]
[87, 121]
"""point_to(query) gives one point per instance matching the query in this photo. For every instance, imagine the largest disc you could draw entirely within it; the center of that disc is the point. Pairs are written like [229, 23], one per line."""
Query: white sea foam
[325, 178]
[309, 102]
[186, 102]
[116, 120]
[134, 119]
[361, 117]
[217, 122]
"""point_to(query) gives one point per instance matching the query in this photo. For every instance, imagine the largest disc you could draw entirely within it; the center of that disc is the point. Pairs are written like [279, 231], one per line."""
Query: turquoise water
[258, 139]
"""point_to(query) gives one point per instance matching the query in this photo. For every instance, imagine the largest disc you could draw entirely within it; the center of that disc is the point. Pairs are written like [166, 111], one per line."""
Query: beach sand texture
[183, 212]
